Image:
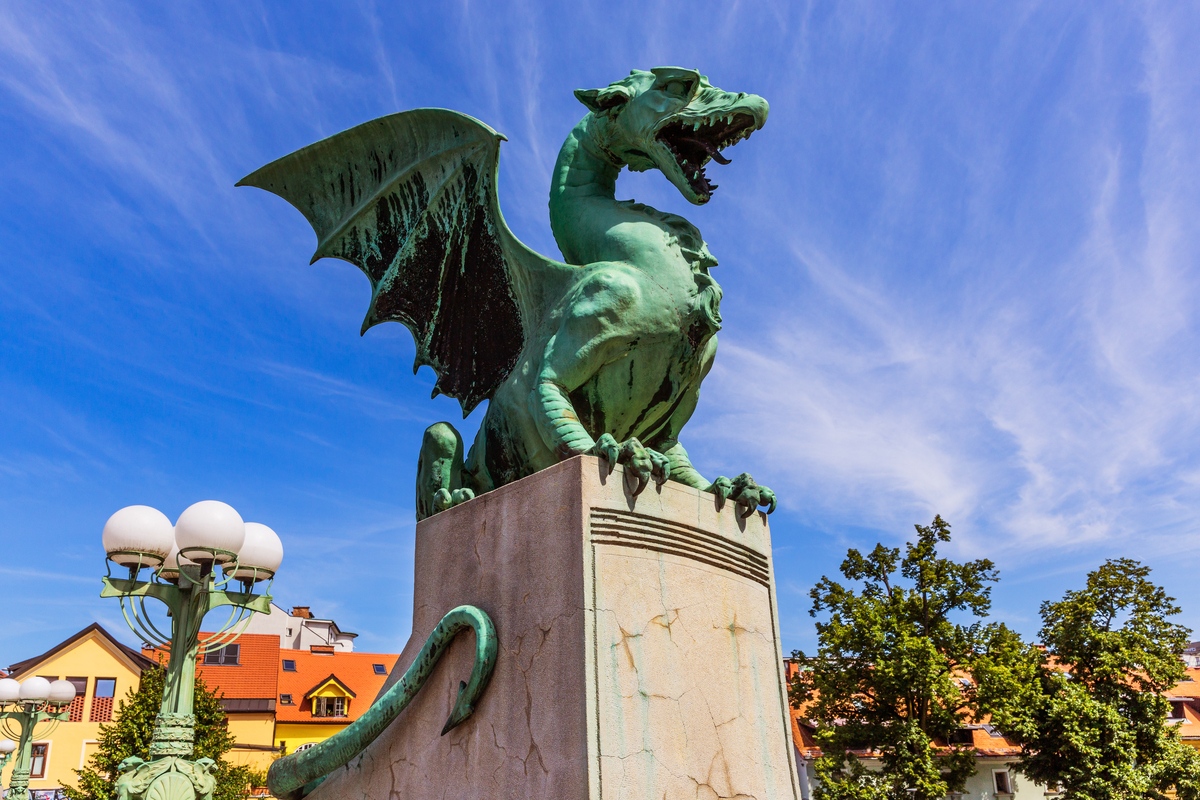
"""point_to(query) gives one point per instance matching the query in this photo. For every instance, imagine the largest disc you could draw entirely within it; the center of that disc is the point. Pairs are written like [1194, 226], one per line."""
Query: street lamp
[181, 564]
[24, 706]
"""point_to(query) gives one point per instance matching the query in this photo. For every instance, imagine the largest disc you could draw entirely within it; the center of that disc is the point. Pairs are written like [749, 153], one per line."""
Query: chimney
[321, 649]
[302, 612]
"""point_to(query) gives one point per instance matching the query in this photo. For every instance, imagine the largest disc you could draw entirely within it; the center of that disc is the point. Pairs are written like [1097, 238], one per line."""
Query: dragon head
[674, 120]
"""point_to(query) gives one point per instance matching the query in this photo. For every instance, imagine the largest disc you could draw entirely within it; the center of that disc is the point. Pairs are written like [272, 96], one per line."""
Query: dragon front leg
[562, 430]
[440, 471]
[747, 494]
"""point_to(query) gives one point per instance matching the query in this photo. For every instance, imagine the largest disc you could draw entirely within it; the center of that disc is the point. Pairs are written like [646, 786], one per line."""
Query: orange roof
[354, 671]
[1187, 692]
[1189, 687]
[255, 676]
[985, 740]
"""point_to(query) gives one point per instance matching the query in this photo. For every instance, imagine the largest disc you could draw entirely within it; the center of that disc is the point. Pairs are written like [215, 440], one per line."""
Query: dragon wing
[411, 199]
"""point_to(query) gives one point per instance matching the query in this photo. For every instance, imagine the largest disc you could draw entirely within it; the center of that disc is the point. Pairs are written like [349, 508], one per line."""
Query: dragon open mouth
[693, 142]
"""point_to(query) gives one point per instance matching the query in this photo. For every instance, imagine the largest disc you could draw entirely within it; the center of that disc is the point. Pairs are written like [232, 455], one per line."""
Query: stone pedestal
[639, 651]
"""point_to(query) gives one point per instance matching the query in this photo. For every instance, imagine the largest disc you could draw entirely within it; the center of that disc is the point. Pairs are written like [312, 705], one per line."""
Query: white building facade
[298, 629]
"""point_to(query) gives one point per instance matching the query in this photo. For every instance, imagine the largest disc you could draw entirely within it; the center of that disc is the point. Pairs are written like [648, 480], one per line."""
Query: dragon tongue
[713, 151]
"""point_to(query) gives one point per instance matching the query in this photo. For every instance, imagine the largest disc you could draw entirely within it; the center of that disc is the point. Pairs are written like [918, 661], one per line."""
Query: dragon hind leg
[440, 471]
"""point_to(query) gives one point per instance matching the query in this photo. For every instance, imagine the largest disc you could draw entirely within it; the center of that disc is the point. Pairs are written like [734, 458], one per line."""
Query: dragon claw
[606, 447]
[641, 463]
[744, 492]
[444, 498]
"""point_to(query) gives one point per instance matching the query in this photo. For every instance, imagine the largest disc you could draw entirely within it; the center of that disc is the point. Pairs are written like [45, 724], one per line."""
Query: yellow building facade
[103, 671]
[321, 691]
[276, 700]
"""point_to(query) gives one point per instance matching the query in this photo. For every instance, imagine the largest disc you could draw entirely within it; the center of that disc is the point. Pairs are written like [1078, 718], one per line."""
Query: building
[321, 691]
[1185, 707]
[281, 698]
[245, 675]
[300, 630]
[103, 670]
[275, 662]
[1191, 655]
[995, 755]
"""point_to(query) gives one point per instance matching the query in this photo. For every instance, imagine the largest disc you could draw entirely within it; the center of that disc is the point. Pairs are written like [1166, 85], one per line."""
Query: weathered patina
[602, 354]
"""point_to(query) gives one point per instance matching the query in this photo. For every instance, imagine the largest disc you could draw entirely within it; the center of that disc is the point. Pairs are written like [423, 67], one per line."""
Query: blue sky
[961, 268]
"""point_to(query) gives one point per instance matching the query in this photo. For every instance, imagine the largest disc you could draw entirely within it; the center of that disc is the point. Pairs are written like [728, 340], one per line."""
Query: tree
[892, 669]
[1094, 722]
[133, 729]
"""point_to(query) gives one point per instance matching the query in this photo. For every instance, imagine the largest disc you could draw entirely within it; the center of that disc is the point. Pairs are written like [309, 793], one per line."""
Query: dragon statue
[602, 353]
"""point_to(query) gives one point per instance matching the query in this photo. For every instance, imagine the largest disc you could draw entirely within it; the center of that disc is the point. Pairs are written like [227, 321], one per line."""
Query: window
[226, 656]
[37, 764]
[102, 700]
[1176, 711]
[286, 700]
[75, 710]
[1000, 779]
[304, 747]
[289, 665]
[380, 669]
[329, 706]
[962, 736]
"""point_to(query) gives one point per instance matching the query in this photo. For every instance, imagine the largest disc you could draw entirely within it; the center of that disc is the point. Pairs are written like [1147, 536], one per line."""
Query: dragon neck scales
[590, 224]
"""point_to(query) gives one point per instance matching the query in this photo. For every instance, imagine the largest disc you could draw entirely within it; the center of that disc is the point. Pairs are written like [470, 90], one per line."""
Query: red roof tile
[255, 676]
[355, 671]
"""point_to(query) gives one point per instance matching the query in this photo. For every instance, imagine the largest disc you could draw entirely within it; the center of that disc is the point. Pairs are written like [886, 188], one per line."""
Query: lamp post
[24, 706]
[182, 563]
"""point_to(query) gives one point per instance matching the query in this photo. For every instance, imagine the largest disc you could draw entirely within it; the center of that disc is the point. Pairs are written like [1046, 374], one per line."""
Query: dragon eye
[678, 88]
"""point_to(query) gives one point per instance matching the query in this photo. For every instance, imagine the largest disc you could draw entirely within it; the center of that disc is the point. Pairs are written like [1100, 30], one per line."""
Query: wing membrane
[411, 200]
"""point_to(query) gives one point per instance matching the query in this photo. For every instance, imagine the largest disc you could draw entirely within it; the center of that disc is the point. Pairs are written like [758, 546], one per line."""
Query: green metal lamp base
[173, 735]
[18, 786]
[170, 774]
[168, 778]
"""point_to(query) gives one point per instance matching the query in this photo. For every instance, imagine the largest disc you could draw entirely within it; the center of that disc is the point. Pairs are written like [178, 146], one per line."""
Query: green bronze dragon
[603, 354]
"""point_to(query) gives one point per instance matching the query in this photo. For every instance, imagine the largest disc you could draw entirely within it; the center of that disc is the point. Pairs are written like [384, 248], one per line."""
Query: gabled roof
[353, 671]
[138, 661]
[331, 679]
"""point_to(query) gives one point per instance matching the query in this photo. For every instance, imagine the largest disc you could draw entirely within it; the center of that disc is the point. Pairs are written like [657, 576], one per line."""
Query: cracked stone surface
[624, 671]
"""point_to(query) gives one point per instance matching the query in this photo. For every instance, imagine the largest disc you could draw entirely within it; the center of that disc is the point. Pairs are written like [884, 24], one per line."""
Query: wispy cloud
[959, 266]
[1047, 413]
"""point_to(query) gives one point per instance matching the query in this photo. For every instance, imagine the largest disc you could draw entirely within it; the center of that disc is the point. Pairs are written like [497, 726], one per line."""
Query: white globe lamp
[61, 693]
[169, 571]
[10, 691]
[137, 530]
[207, 527]
[35, 690]
[7, 746]
[261, 553]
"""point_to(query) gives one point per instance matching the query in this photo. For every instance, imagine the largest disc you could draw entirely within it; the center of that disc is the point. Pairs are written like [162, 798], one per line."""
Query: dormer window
[329, 706]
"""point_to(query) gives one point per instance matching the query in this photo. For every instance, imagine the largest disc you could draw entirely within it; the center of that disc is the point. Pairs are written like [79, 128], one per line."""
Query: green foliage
[887, 673]
[1092, 714]
[131, 733]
